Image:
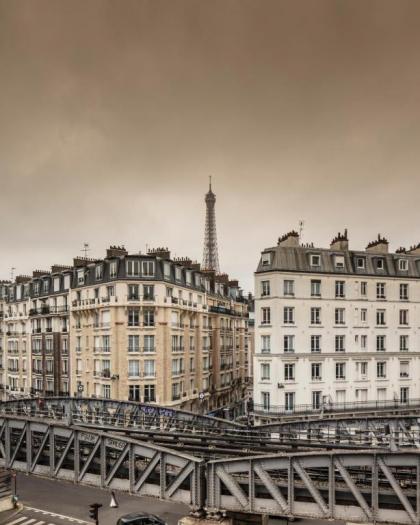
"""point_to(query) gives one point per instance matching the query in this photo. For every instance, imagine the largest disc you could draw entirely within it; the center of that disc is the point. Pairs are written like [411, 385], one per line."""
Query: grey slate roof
[297, 259]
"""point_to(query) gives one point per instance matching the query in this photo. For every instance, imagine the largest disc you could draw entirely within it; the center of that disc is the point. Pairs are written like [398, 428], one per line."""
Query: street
[69, 502]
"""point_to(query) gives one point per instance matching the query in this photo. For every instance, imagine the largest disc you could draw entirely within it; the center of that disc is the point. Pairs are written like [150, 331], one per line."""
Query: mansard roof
[298, 259]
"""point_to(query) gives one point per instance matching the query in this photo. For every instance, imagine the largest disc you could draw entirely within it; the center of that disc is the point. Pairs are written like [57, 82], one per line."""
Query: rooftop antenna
[210, 182]
[12, 273]
[301, 225]
[85, 249]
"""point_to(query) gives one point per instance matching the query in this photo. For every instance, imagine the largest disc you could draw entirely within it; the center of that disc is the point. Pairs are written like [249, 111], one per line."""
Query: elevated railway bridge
[352, 467]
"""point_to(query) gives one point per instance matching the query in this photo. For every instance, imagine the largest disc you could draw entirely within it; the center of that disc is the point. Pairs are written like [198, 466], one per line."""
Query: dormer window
[166, 270]
[36, 287]
[81, 276]
[315, 260]
[99, 271]
[380, 264]
[113, 269]
[178, 273]
[45, 286]
[403, 265]
[266, 259]
[360, 263]
[339, 261]
[133, 268]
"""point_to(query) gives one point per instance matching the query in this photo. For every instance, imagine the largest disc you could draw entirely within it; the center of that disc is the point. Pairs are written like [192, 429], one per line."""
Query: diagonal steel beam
[232, 485]
[177, 482]
[272, 487]
[90, 458]
[397, 489]
[117, 464]
[147, 471]
[354, 490]
[38, 454]
[311, 487]
[63, 455]
[18, 444]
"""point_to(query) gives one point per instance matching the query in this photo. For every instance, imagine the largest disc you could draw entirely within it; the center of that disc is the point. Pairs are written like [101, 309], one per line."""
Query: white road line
[28, 521]
[14, 522]
[55, 515]
[39, 523]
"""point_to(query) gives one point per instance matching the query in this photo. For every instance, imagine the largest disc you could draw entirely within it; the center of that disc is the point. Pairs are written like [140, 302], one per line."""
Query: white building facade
[335, 327]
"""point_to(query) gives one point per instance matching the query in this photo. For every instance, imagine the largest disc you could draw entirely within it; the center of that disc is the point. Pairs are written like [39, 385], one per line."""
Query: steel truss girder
[290, 485]
[99, 458]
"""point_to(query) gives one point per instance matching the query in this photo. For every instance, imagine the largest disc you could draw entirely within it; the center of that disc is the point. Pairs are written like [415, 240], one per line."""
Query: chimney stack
[289, 240]
[116, 251]
[340, 242]
[380, 245]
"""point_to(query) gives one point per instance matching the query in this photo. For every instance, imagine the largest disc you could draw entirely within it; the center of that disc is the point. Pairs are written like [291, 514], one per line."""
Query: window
[133, 268]
[99, 272]
[361, 370]
[403, 292]
[339, 261]
[363, 288]
[133, 317]
[148, 268]
[133, 368]
[265, 344]
[403, 265]
[288, 315]
[134, 343]
[380, 264]
[265, 315]
[404, 317]
[380, 343]
[404, 369]
[316, 400]
[316, 372]
[113, 269]
[339, 343]
[134, 393]
[289, 401]
[363, 315]
[149, 317]
[340, 316]
[315, 343]
[133, 292]
[380, 291]
[403, 343]
[315, 260]
[265, 288]
[148, 292]
[106, 391]
[289, 287]
[265, 400]
[380, 317]
[149, 343]
[289, 343]
[316, 315]
[340, 370]
[176, 391]
[149, 368]
[363, 341]
[289, 372]
[381, 370]
[360, 263]
[340, 289]
[315, 288]
[266, 259]
[404, 394]
[81, 276]
[149, 393]
[265, 371]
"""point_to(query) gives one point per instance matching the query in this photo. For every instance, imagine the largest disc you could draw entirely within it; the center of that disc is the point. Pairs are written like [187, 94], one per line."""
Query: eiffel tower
[210, 254]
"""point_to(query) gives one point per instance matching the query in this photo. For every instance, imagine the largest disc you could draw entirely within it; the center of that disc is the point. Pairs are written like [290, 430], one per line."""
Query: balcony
[151, 373]
[104, 349]
[177, 349]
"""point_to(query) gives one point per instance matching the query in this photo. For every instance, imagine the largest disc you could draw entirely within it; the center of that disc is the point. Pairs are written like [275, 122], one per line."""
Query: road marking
[17, 521]
[55, 515]
[28, 521]
[14, 522]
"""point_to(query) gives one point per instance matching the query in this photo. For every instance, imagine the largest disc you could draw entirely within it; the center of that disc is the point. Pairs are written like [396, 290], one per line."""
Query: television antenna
[85, 249]
[12, 273]
[301, 225]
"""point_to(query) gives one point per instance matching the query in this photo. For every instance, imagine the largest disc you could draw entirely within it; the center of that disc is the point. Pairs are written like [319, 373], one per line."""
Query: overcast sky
[113, 114]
